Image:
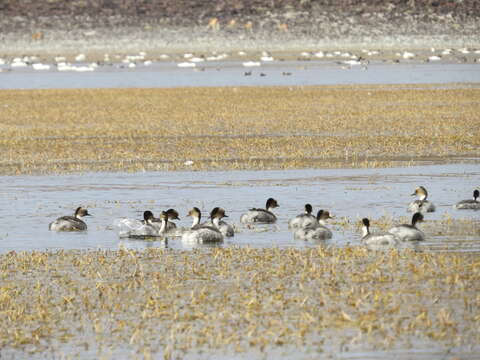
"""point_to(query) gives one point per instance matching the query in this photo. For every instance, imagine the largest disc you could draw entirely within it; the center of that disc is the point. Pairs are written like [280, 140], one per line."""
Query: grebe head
[172, 214]
[271, 204]
[148, 216]
[164, 216]
[365, 227]
[417, 217]
[323, 215]
[308, 209]
[319, 214]
[218, 213]
[421, 192]
[81, 212]
[195, 213]
[476, 194]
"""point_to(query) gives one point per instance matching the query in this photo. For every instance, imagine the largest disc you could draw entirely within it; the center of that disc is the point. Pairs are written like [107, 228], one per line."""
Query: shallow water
[287, 73]
[29, 203]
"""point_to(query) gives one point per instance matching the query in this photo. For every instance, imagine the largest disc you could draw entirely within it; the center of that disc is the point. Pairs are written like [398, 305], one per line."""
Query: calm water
[287, 73]
[29, 203]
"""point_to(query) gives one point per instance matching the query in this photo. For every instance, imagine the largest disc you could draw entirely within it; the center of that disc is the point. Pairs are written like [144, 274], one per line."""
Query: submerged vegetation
[50, 131]
[170, 303]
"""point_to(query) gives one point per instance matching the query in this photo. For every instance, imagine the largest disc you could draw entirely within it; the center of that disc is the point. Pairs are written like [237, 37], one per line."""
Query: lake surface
[233, 73]
[29, 203]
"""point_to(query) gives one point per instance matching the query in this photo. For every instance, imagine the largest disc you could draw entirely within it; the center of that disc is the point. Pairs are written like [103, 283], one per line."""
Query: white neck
[196, 221]
[322, 222]
[422, 197]
[216, 221]
[270, 208]
[163, 227]
[365, 231]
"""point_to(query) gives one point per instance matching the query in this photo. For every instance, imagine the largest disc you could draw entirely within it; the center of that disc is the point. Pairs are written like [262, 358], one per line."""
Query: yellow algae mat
[49, 131]
[173, 303]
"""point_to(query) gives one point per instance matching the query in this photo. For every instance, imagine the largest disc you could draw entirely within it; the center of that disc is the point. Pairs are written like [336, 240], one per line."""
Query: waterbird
[200, 233]
[148, 227]
[225, 228]
[262, 216]
[472, 204]
[315, 230]
[172, 214]
[70, 223]
[377, 240]
[421, 204]
[409, 232]
[302, 220]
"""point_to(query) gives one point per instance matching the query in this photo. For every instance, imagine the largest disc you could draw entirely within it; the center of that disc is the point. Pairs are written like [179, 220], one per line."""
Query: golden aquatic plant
[49, 131]
[170, 303]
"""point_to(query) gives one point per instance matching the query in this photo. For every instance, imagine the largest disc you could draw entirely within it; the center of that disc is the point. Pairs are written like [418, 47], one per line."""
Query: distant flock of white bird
[190, 60]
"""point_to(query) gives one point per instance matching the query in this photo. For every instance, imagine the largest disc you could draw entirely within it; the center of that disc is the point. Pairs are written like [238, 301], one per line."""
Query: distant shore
[61, 27]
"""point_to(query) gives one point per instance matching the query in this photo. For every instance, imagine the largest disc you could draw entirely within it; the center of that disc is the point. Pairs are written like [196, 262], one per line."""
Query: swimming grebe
[409, 232]
[262, 216]
[148, 227]
[422, 204]
[203, 233]
[152, 227]
[469, 204]
[70, 223]
[172, 214]
[303, 220]
[315, 231]
[225, 228]
[379, 239]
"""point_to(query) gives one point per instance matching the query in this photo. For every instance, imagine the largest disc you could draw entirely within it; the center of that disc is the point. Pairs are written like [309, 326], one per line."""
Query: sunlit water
[30, 203]
[287, 73]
